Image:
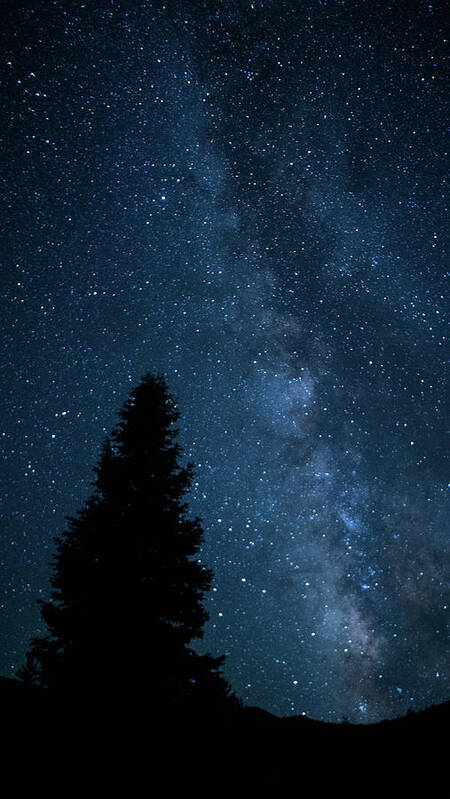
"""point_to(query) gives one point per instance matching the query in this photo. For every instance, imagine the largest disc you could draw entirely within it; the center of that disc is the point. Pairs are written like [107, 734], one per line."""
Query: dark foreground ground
[69, 730]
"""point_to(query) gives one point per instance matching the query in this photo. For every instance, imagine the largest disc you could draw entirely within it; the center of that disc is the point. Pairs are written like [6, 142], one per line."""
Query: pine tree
[128, 587]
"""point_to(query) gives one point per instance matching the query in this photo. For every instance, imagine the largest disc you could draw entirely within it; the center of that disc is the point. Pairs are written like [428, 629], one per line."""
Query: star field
[250, 198]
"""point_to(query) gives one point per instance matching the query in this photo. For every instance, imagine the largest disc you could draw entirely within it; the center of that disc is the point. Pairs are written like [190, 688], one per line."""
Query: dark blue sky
[250, 198]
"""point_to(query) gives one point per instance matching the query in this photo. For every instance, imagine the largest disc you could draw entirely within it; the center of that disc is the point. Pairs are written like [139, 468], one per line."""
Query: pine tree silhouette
[128, 587]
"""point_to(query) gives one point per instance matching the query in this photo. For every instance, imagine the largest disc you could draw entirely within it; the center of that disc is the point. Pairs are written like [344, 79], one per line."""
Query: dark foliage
[128, 588]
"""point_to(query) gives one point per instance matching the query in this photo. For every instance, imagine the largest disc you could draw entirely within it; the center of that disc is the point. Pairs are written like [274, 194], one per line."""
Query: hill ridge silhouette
[26, 702]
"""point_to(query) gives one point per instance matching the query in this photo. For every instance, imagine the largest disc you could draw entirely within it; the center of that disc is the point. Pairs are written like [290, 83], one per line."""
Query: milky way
[248, 197]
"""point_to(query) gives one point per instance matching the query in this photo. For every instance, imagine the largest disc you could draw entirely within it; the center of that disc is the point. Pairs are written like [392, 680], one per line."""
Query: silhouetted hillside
[35, 707]
[432, 722]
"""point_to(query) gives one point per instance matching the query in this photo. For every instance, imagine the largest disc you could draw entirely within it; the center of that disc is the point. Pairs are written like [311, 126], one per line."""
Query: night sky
[248, 197]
